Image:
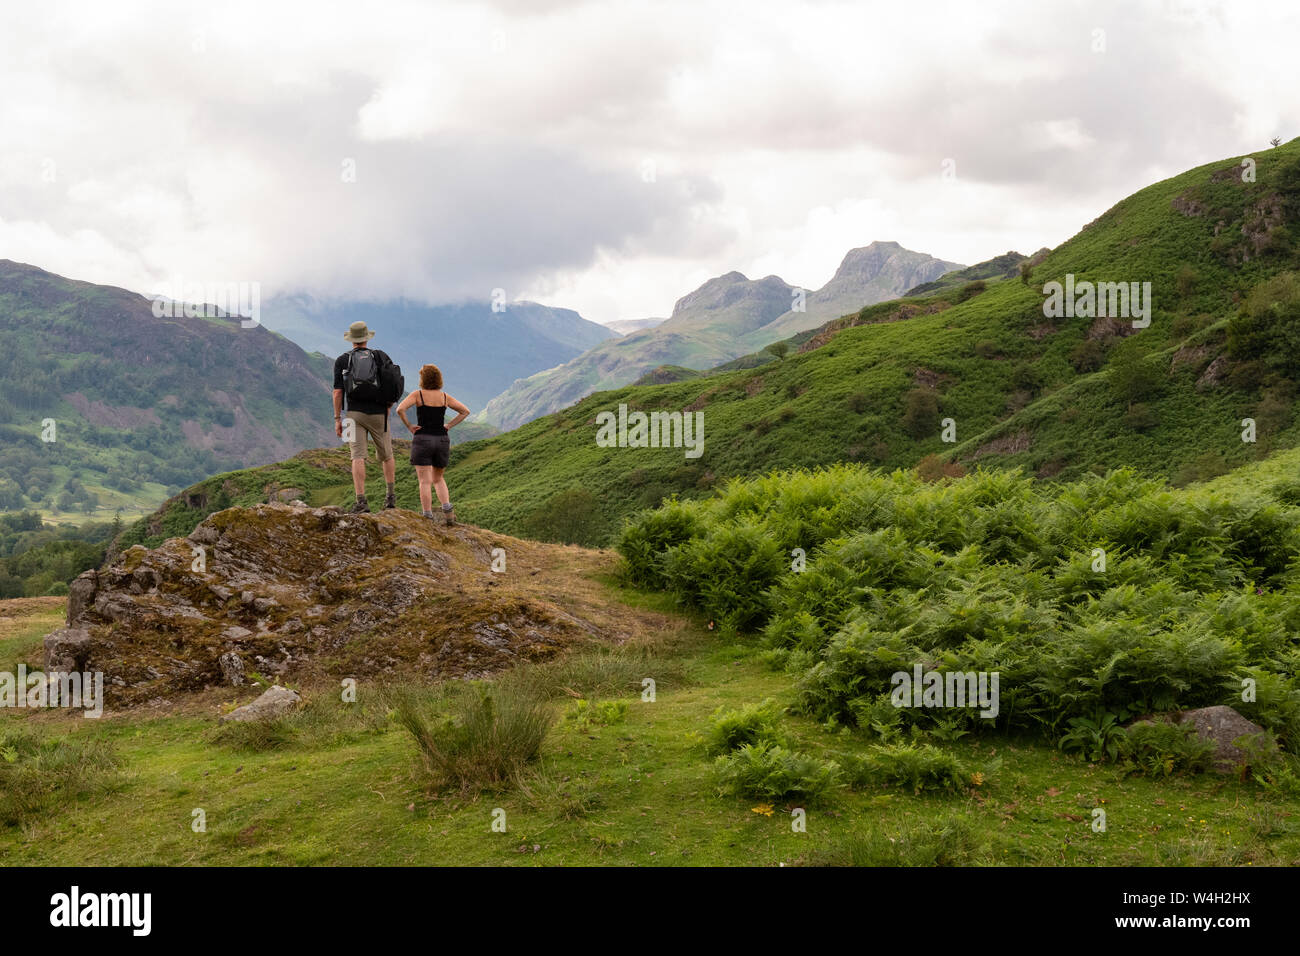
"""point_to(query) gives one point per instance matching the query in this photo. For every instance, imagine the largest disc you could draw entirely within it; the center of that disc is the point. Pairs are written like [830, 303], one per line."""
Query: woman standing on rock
[430, 443]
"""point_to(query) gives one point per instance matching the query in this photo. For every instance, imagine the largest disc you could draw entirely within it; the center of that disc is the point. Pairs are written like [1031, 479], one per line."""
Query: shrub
[995, 572]
[1026, 378]
[1133, 378]
[647, 537]
[765, 771]
[728, 573]
[484, 742]
[1268, 325]
[752, 724]
[971, 289]
[921, 413]
[1140, 417]
[858, 402]
[1208, 464]
[1097, 738]
[987, 349]
[1088, 356]
[1163, 749]
[934, 468]
[914, 767]
[583, 713]
[1272, 412]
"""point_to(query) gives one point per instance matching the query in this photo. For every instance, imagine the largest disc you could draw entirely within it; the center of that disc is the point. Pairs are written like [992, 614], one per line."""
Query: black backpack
[373, 377]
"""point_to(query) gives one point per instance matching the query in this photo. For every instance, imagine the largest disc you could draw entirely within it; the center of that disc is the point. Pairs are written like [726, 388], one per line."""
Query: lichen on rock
[306, 593]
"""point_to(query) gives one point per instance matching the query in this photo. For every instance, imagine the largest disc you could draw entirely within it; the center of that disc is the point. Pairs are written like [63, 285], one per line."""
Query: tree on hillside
[921, 413]
[779, 349]
[1268, 325]
[1133, 378]
[11, 496]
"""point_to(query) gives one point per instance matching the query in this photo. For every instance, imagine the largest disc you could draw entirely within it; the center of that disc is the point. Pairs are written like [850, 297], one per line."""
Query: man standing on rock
[363, 377]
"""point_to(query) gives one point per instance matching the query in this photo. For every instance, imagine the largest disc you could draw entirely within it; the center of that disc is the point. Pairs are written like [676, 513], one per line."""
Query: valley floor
[342, 786]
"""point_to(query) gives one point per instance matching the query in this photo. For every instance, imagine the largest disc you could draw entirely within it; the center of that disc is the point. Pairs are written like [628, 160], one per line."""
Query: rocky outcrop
[67, 649]
[307, 592]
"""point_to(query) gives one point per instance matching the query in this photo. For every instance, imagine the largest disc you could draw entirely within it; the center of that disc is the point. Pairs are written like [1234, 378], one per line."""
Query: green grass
[23, 644]
[346, 787]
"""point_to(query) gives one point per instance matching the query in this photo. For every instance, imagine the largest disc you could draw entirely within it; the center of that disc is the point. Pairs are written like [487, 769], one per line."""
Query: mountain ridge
[723, 318]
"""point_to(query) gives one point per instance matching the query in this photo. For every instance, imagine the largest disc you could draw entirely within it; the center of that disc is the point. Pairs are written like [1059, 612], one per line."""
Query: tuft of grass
[321, 721]
[949, 841]
[476, 738]
[41, 774]
[595, 674]
[256, 736]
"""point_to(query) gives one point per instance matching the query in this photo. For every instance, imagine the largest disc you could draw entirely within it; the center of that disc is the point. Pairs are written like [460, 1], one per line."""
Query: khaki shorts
[376, 427]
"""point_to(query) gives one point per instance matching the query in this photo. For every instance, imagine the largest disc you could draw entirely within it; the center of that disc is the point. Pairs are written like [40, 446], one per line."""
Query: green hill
[1005, 266]
[723, 319]
[1055, 397]
[141, 405]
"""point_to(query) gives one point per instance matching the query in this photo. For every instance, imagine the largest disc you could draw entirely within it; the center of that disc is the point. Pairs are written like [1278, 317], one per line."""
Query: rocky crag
[295, 593]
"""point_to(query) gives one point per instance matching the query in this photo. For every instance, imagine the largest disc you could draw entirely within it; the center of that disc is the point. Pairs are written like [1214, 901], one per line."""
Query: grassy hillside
[105, 406]
[1005, 266]
[1055, 397]
[723, 319]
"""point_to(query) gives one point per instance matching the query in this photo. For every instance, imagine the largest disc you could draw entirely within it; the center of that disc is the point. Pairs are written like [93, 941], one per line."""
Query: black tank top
[430, 417]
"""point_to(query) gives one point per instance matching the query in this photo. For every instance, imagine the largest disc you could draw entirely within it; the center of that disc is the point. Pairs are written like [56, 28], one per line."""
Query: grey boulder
[275, 702]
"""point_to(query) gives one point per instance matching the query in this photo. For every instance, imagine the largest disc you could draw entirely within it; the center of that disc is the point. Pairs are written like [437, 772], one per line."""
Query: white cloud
[503, 144]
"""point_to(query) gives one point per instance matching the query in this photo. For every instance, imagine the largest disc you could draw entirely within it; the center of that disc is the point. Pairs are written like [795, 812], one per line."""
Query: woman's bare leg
[440, 485]
[424, 474]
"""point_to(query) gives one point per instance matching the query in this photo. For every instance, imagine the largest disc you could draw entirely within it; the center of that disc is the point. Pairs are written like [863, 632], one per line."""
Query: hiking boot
[449, 516]
[390, 502]
[427, 514]
[362, 507]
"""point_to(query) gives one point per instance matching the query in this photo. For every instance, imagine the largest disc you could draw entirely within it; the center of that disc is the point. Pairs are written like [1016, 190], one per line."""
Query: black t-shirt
[360, 405]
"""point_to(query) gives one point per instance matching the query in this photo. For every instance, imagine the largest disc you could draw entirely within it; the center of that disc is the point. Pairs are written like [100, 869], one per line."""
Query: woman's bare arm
[401, 412]
[461, 409]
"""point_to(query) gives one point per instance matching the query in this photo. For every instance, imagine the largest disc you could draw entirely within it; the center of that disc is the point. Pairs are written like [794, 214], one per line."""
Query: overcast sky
[605, 156]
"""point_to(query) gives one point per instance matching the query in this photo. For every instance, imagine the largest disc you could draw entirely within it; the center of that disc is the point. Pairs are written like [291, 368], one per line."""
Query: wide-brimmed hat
[358, 332]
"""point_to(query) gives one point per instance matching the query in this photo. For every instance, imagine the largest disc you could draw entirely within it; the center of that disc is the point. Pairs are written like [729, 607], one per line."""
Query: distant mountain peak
[728, 290]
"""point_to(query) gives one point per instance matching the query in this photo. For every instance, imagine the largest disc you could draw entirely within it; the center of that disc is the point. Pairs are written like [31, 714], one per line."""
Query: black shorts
[432, 450]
